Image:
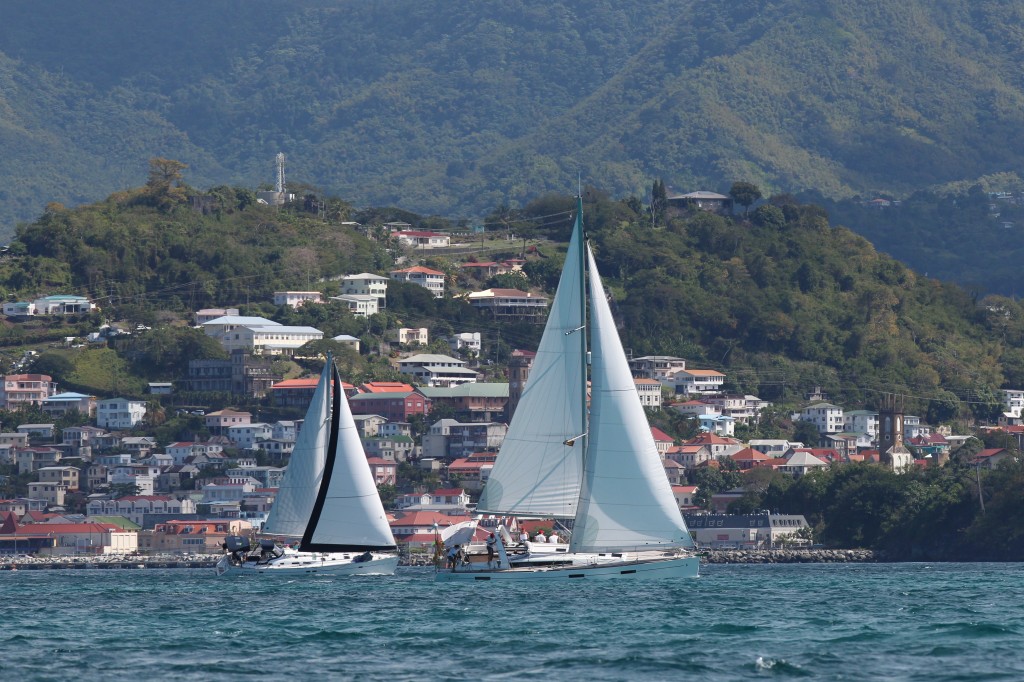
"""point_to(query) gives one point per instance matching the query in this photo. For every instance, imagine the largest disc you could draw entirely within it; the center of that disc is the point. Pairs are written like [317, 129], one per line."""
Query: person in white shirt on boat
[524, 537]
[553, 538]
[540, 537]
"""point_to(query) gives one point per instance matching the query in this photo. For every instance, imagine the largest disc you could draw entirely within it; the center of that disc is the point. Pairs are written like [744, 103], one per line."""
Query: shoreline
[713, 556]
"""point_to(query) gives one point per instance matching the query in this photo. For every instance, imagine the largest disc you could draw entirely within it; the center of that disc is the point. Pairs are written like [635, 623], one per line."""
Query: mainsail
[626, 500]
[294, 501]
[539, 465]
[348, 514]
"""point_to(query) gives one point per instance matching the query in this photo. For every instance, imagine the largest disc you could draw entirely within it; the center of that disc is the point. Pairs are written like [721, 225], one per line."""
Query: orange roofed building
[191, 537]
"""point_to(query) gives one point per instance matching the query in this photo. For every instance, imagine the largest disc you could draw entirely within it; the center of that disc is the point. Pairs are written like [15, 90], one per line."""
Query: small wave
[732, 628]
[779, 666]
[976, 629]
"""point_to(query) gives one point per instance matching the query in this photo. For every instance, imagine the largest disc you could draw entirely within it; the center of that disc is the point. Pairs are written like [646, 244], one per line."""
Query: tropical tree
[744, 194]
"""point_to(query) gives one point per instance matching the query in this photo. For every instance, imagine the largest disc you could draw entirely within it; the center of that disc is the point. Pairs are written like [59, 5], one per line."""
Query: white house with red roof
[684, 495]
[691, 381]
[662, 441]
[432, 280]
[649, 391]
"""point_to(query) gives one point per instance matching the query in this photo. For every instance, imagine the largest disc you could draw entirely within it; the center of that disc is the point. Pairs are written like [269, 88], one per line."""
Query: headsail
[348, 514]
[539, 465]
[626, 501]
[294, 501]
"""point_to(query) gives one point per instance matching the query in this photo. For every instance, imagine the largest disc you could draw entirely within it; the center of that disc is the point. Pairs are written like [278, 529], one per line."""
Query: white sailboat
[327, 505]
[600, 469]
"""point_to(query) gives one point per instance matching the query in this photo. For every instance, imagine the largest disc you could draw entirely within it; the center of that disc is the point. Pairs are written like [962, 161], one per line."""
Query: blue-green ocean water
[929, 622]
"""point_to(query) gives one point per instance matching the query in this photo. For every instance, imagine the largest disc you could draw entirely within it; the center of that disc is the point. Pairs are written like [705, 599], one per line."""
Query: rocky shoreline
[714, 556]
[788, 556]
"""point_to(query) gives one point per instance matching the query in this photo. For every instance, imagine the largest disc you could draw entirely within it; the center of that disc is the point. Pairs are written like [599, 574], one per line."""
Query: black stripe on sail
[332, 446]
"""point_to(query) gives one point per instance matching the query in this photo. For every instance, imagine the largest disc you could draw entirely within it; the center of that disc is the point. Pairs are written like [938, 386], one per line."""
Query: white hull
[637, 568]
[294, 563]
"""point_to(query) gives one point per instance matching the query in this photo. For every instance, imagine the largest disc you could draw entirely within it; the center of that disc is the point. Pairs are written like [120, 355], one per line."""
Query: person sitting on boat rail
[491, 542]
[524, 537]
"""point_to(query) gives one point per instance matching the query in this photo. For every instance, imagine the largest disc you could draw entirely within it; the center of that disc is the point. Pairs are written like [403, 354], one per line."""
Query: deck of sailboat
[637, 565]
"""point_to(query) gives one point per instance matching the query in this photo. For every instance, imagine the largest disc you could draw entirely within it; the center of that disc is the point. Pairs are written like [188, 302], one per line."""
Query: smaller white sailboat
[327, 508]
[600, 468]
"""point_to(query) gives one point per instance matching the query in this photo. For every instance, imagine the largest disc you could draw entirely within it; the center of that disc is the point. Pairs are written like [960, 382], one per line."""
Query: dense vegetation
[778, 299]
[450, 109]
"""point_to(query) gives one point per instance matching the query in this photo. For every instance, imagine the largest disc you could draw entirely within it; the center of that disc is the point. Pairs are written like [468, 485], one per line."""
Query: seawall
[788, 556]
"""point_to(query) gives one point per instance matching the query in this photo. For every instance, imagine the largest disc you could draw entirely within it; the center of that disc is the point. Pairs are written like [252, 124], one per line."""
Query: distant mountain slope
[454, 109]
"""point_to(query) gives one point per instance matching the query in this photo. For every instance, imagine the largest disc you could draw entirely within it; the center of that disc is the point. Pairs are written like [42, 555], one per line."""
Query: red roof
[428, 518]
[660, 435]
[386, 387]
[448, 492]
[684, 489]
[419, 269]
[43, 529]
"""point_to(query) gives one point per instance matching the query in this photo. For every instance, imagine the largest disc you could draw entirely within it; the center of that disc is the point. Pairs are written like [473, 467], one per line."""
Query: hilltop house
[433, 280]
[437, 370]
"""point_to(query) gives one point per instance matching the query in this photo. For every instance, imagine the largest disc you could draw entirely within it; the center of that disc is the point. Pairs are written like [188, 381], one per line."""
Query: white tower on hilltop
[280, 195]
[280, 172]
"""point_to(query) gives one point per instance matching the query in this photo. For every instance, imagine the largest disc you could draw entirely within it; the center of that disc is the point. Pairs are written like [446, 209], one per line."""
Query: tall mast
[583, 317]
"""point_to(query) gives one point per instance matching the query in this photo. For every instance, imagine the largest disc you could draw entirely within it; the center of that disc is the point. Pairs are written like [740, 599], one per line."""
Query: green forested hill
[781, 301]
[454, 109]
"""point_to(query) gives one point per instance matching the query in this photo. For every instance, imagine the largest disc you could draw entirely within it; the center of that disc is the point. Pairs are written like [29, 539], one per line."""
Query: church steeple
[891, 450]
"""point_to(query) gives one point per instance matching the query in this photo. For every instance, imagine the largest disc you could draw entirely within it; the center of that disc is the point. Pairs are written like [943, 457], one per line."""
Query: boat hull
[294, 564]
[669, 567]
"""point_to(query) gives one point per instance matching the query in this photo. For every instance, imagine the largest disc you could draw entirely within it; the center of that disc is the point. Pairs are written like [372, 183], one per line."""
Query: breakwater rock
[21, 563]
[788, 556]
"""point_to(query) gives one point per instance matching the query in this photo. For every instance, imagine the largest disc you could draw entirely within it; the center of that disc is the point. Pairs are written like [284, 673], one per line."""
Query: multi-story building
[296, 298]
[366, 284]
[360, 305]
[392, 406]
[437, 370]
[63, 403]
[432, 280]
[511, 304]
[826, 417]
[649, 391]
[135, 507]
[119, 413]
[471, 402]
[22, 390]
[66, 476]
[656, 366]
[259, 335]
[410, 336]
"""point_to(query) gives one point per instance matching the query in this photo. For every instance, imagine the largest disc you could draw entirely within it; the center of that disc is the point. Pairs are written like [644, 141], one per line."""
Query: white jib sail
[536, 472]
[352, 514]
[294, 501]
[626, 501]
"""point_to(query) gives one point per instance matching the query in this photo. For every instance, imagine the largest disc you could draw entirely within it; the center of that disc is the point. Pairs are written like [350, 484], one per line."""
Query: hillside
[454, 110]
[781, 301]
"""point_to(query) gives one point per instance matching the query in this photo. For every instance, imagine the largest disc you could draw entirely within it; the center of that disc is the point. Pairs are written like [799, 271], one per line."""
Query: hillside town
[110, 487]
